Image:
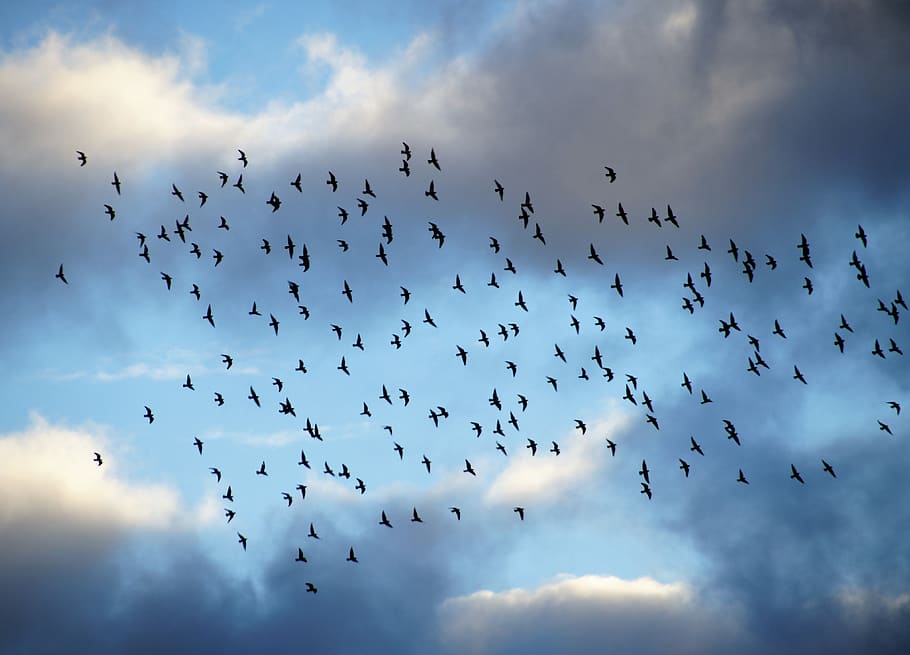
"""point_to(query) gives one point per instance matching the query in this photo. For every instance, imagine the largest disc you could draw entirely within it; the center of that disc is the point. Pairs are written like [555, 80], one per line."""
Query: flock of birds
[695, 287]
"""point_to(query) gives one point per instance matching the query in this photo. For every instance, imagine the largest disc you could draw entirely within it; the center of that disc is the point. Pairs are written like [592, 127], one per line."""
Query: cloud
[571, 613]
[547, 478]
[48, 478]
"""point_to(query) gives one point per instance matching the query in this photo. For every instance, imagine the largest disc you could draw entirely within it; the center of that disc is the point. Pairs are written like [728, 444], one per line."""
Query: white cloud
[545, 477]
[569, 612]
[47, 476]
[106, 97]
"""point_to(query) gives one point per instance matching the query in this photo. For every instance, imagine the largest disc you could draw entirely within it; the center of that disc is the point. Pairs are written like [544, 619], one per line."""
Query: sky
[763, 125]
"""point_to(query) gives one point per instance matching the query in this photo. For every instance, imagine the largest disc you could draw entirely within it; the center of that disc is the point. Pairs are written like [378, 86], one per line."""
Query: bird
[610, 173]
[274, 323]
[684, 466]
[97, 459]
[621, 214]
[468, 468]
[877, 350]
[654, 218]
[176, 192]
[646, 489]
[198, 443]
[261, 469]
[332, 182]
[116, 183]
[300, 557]
[239, 184]
[312, 532]
[81, 157]
[520, 511]
[148, 414]
[208, 316]
[617, 284]
[223, 177]
[686, 383]
[351, 557]
[296, 183]
[385, 520]
[644, 472]
[457, 512]
[593, 256]
[893, 404]
[242, 540]
[828, 469]
[60, 276]
[405, 151]
[599, 212]
[794, 475]
[839, 341]
[555, 449]
[228, 495]
[242, 158]
[630, 336]
[254, 397]
[287, 497]
[433, 161]
[884, 427]
[612, 446]
[302, 489]
[311, 588]
[742, 477]
[216, 472]
[110, 212]
[797, 375]
[695, 447]
[431, 191]
[532, 446]
[778, 330]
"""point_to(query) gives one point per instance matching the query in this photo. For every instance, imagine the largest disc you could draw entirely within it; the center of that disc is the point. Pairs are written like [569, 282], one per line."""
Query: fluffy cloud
[48, 478]
[547, 478]
[570, 614]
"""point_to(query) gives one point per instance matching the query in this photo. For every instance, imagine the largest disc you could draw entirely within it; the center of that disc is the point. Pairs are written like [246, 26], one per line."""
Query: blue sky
[758, 124]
